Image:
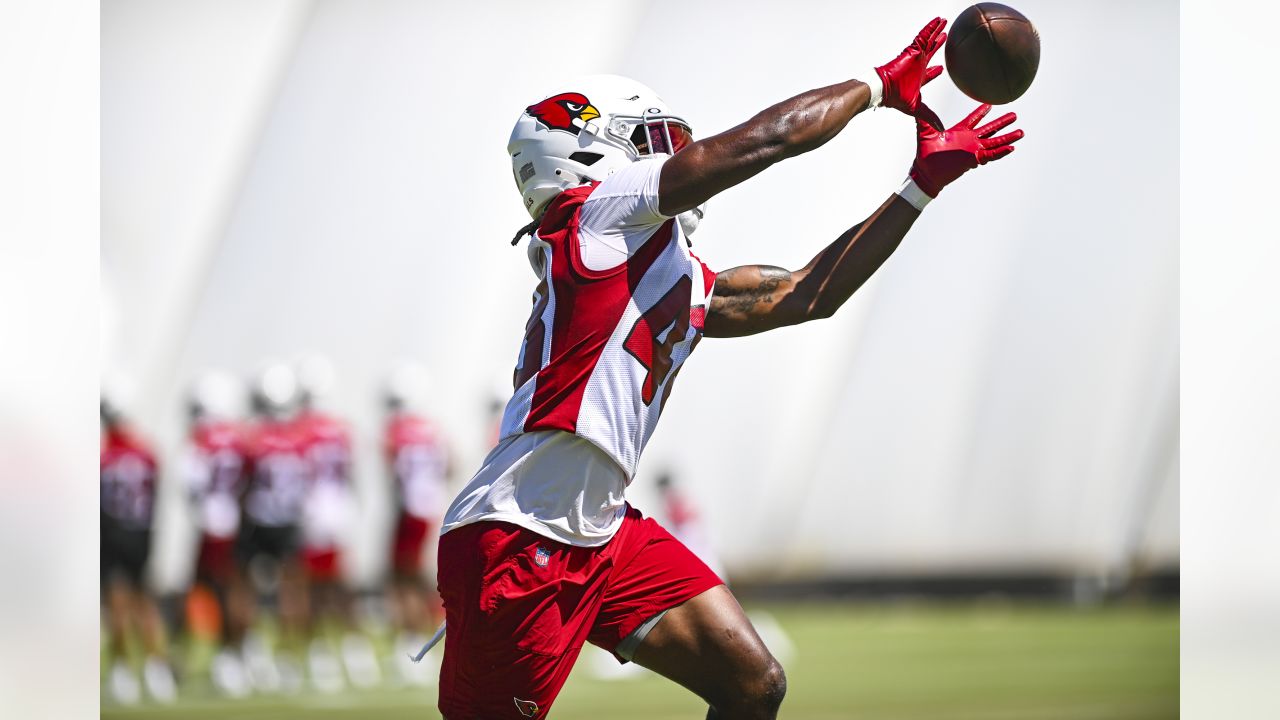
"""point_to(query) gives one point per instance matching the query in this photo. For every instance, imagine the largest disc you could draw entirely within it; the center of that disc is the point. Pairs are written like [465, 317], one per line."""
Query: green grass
[873, 662]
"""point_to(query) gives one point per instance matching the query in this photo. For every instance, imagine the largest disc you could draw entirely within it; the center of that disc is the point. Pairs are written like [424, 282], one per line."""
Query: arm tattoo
[743, 290]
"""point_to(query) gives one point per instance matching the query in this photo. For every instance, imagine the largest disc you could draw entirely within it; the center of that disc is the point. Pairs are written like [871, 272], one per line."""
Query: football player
[215, 474]
[328, 509]
[268, 547]
[684, 522]
[127, 482]
[540, 551]
[417, 461]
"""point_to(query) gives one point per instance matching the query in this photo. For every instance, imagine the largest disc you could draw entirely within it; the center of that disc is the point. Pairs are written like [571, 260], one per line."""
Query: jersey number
[128, 488]
[648, 343]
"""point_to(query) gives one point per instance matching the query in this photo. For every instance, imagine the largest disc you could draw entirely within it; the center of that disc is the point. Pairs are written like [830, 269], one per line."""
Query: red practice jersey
[329, 503]
[127, 471]
[680, 512]
[327, 446]
[419, 464]
[278, 474]
[215, 475]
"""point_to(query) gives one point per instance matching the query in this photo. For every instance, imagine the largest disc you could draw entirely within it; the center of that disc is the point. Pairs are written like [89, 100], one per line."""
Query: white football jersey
[602, 348]
[601, 351]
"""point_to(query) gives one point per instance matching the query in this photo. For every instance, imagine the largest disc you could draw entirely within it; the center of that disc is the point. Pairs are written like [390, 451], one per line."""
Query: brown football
[993, 52]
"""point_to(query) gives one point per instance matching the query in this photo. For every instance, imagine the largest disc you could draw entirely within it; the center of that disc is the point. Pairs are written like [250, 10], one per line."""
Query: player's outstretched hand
[906, 74]
[941, 157]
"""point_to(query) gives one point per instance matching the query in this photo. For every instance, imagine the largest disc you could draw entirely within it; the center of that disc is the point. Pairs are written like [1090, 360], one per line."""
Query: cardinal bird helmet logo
[604, 124]
[527, 708]
[561, 112]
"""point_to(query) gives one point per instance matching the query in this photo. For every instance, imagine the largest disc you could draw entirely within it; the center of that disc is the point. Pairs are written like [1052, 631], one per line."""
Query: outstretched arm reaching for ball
[796, 126]
[754, 298]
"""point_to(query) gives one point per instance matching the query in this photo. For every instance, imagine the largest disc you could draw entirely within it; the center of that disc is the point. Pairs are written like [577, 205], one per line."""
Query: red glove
[906, 74]
[941, 157]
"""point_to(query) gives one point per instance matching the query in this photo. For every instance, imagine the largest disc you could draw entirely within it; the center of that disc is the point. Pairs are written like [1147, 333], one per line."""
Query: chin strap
[526, 230]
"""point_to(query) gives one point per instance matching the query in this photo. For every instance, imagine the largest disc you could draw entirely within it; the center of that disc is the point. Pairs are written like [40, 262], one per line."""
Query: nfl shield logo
[542, 556]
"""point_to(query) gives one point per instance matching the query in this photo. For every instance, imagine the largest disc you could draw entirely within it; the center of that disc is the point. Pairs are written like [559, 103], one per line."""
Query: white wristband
[912, 193]
[874, 82]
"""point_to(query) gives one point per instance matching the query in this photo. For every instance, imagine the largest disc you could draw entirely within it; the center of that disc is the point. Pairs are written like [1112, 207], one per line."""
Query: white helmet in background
[316, 378]
[588, 131]
[408, 387]
[214, 395]
[116, 396]
[275, 390]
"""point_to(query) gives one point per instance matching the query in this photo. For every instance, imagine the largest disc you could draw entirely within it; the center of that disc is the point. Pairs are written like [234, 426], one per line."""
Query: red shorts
[323, 564]
[519, 606]
[216, 562]
[411, 538]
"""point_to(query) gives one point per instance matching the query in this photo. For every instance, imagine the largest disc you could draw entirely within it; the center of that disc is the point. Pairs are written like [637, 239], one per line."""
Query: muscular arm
[790, 128]
[754, 298]
[796, 126]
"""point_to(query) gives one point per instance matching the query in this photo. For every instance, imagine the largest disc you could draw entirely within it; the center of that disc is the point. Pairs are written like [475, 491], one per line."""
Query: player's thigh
[708, 645]
[518, 608]
[484, 680]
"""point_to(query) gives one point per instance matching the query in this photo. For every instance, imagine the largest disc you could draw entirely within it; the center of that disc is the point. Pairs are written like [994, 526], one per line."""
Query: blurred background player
[494, 406]
[328, 508]
[128, 473]
[215, 476]
[417, 460]
[681, 517]
[268, 545]
[684, 519]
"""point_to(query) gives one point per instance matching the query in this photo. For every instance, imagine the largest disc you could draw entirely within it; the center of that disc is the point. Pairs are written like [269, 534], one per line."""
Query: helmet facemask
[655, 134]
[658, 134]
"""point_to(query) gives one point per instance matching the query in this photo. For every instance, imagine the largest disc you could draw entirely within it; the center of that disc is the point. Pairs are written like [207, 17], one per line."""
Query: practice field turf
[872, 662]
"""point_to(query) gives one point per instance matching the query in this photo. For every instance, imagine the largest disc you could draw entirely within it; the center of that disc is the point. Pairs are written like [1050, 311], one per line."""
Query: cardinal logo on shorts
[542, 557]
[527, 708]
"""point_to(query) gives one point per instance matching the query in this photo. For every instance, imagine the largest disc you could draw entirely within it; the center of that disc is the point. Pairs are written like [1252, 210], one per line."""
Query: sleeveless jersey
[602, 348]
[618, 308]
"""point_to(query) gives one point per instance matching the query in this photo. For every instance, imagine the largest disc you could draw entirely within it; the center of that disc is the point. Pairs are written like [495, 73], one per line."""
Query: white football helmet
[316, 378]
[214, 395]
[275, 390]
[598, 124]
[408, 387]
[116, 396]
